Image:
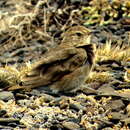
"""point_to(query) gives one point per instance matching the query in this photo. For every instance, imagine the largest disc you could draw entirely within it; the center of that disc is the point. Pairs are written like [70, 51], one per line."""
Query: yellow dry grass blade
[99, 77]
[109, 52]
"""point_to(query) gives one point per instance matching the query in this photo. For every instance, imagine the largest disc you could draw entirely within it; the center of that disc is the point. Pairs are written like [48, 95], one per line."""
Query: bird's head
[76, 36]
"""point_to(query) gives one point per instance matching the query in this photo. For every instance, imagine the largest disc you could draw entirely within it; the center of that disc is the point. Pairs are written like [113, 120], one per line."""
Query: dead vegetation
[12, 74]
[29, 23]
[29, 28]
[112, 52]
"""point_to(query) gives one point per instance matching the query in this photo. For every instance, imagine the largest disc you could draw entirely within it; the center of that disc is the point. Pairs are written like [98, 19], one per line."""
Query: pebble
[5, 96]
[115, 105]
[77, 106]
[70, 125]
[107, 90]
[48, 98]
[126, 121]
[8, 120]
[2, 112]
[118, 116]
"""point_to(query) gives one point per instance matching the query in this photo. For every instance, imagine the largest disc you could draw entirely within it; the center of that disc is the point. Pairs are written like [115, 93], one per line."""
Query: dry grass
[109, 52]
[106, 52]
[19, 21]
[12, 74]
[100, 77]
[9, 74]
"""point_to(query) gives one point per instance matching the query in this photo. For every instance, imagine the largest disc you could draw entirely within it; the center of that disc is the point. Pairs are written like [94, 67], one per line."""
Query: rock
[48, 98]
[107, 128]
[3, 127]
[115, 105]
[34, 92]
[116, 66]
[24, 102]
[2, 112]
[119, 75]
[104, 123]
[106, 90]
[5, 96]
[70, 125]
[77, 106]
[90, 88]
[112, 28]
[21, 96]
[8, 120]
[75, 1]
[56, 102]
[126, 121]
[117, 116]
[125, 94]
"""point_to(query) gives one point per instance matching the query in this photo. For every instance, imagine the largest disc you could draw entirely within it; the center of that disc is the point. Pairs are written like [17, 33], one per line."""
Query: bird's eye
[79, 34]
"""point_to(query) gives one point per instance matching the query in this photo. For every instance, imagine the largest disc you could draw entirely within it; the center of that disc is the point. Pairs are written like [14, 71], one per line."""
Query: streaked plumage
[65, 67]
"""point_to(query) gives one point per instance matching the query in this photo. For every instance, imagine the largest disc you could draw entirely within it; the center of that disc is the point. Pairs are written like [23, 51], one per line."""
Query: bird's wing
[55, 72]
[54, 55]
[72, 81]
[65, 60]
[56, 63]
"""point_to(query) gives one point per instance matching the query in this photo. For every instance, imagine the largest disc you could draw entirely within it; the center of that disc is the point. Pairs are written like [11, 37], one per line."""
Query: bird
[63, 68]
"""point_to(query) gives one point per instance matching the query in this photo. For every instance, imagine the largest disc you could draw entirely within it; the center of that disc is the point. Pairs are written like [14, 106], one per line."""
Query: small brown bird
[65, 67]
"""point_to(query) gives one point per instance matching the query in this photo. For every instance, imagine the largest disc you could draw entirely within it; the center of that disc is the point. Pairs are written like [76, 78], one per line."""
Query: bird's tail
[13, 88]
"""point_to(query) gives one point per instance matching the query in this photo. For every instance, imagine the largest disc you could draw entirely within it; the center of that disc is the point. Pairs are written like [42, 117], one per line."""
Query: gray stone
[126, 121]
[5, 96]
[2, 112]
[118, 116]
[115, 105]
[70, 125]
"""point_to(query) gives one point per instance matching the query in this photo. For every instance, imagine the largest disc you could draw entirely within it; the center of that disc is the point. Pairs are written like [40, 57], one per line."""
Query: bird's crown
[76, 36]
